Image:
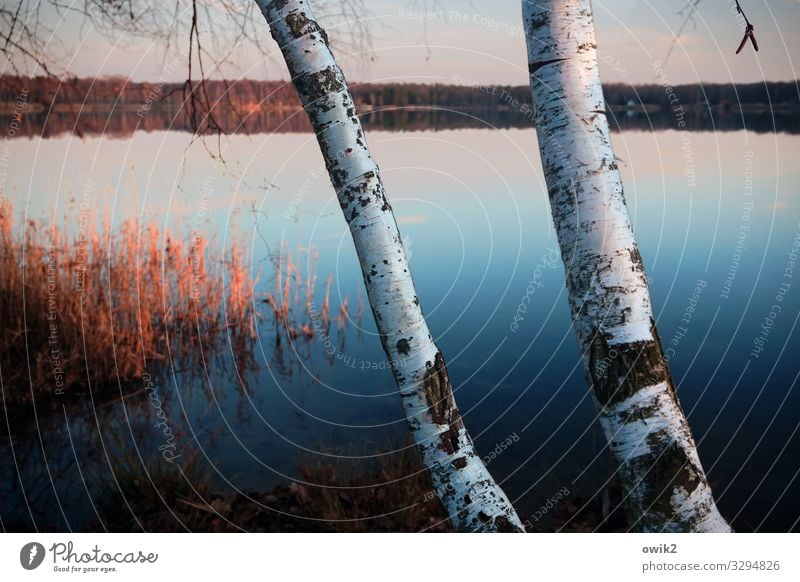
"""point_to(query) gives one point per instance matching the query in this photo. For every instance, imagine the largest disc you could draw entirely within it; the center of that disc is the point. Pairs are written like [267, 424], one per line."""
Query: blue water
[474, 214]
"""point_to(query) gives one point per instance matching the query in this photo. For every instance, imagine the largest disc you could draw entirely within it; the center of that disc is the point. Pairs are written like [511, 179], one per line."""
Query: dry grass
[103, 306]
[293, 302]
[99, 306]
[150, 494]
[393, 494]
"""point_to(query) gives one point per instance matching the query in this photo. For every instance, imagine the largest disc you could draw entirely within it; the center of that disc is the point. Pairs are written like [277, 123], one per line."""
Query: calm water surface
[717, 219]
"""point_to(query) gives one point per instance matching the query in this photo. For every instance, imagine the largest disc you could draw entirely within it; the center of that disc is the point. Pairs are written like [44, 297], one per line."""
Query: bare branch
[688, 12]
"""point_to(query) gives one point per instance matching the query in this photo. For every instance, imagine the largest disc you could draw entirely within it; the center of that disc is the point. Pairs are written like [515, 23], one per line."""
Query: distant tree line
[716, 94]
[119, 92]
[247, 95]
[117, 107]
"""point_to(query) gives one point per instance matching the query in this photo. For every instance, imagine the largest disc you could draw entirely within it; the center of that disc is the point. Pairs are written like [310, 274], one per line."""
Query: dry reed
[96, 307]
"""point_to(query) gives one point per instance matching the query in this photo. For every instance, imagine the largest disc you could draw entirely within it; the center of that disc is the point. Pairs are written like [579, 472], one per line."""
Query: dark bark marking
[636, 261]
[538, 21]
[533, 67]
[403, 347]
[312, 87]
[618, 372]
[441, 404]
[660, 472]
[460, 462]
[301, 25]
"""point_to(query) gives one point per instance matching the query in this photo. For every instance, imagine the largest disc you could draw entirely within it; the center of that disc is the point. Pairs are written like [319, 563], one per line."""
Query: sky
[481, 41]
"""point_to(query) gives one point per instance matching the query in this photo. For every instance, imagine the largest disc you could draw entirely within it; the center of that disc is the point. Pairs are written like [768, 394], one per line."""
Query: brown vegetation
[390, 495]
[95, 308]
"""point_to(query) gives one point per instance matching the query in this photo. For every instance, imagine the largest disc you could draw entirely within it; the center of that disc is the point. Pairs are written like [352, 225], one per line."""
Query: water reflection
[473, 205]
[122, 125]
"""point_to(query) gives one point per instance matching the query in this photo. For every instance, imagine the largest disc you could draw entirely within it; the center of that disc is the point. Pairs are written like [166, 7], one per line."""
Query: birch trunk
[469, 494]
[662, 478]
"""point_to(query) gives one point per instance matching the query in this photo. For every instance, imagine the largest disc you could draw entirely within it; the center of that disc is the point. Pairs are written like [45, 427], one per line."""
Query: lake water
[717, 218]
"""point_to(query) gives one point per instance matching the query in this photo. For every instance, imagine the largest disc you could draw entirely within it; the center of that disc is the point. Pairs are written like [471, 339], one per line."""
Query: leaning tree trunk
[469, 494]
[662, 478]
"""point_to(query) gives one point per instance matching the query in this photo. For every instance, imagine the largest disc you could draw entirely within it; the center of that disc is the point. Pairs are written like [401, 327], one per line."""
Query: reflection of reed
[95, 308]
[295, 316]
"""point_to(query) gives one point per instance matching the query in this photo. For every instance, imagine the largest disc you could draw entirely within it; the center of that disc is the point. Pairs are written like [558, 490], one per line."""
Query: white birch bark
[469, 494]
[664, 483]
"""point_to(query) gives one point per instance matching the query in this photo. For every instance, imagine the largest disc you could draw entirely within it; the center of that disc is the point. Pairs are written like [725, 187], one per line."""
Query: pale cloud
[412, 219]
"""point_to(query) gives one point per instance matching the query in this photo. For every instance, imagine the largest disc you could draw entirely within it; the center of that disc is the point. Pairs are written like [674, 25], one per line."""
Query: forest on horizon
[121, 93]
[115, 106]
